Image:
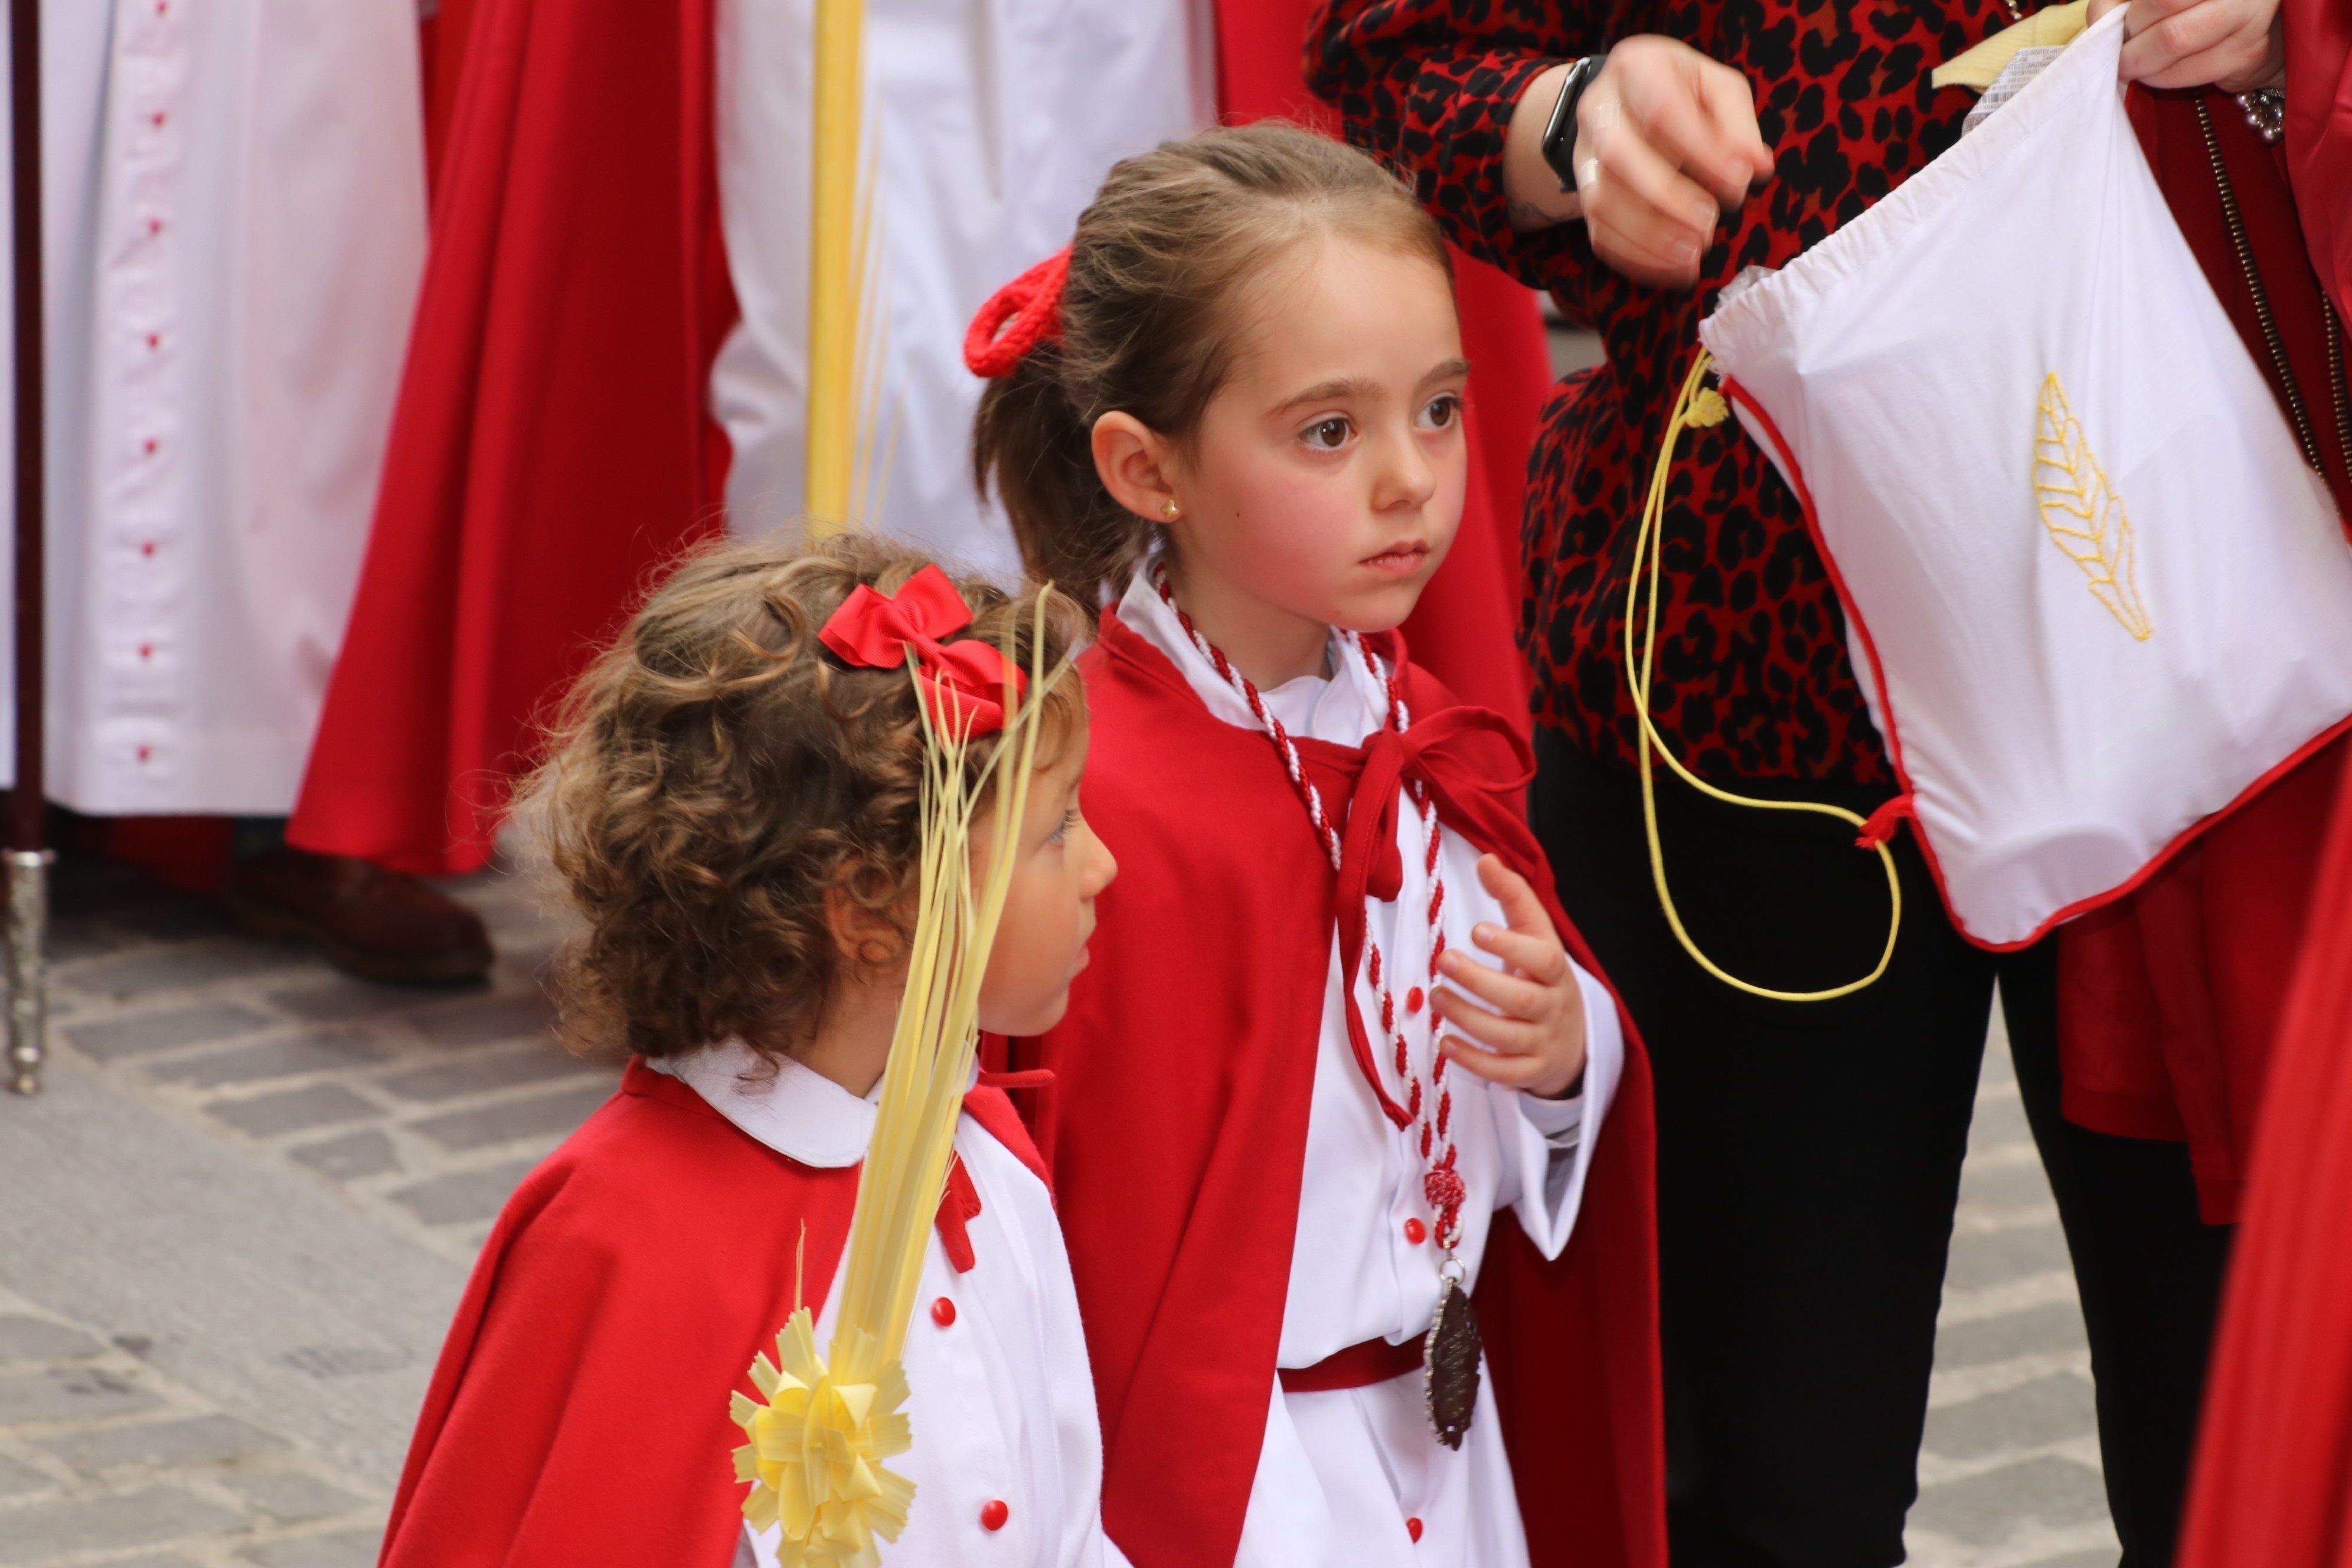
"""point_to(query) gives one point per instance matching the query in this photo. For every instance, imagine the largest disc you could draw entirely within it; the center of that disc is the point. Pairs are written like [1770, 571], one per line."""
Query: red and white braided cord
[1433, 1112]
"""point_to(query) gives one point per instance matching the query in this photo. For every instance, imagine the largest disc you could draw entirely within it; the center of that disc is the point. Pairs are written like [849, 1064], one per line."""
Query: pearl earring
[1169, 509]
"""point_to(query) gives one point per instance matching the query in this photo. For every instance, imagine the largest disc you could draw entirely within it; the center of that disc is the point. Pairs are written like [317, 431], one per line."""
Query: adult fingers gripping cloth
[2096, 592]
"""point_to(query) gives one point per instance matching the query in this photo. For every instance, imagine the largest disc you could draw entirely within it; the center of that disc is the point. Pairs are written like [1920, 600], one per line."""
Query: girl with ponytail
[1334, 1022]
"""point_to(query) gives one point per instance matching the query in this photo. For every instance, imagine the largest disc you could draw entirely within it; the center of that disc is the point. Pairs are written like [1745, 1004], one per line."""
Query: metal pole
[29, 855]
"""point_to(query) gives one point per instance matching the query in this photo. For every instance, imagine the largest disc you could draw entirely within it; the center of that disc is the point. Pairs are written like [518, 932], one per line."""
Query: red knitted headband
[1017, 318]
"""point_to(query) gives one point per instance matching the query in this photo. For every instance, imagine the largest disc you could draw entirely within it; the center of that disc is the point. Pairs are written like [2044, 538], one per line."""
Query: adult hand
[1530, 1033]
[1666, 142]
[2234, 44]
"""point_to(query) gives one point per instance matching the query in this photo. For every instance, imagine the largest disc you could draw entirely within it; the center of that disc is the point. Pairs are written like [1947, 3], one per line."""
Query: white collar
[796, 1110]
[1342, 707]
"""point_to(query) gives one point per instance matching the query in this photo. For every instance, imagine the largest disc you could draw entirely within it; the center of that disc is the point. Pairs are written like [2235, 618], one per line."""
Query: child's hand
[1533, 1036]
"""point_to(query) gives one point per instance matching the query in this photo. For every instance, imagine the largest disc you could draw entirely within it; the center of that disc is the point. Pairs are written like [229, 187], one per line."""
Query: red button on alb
[943, 1312]
[993, 1515]
[1413, 1528]
[1413, 999]
[1415, 1232]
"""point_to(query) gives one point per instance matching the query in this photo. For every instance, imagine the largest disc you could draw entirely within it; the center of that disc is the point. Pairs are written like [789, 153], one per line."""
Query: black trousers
[1809, 1165]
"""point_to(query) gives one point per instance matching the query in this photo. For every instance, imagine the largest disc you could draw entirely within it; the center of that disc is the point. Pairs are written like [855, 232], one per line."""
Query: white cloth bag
[2096, 594]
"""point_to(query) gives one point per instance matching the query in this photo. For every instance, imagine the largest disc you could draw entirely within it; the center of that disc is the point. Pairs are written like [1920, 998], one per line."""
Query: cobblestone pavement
[232, 1231]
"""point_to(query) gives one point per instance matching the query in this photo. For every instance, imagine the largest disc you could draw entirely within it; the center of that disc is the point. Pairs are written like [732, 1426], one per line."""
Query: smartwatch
[1559, 132]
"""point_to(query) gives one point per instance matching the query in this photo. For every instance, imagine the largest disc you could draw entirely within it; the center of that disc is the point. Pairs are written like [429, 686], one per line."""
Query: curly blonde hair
[716, 774]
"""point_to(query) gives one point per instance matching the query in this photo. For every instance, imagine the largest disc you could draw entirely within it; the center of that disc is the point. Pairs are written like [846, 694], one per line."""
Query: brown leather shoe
[374, 923]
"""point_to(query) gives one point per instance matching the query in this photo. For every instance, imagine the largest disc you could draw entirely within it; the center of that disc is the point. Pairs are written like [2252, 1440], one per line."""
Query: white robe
[1345, 1475]
[1001, 1397]
[995, 125]
[235, 208]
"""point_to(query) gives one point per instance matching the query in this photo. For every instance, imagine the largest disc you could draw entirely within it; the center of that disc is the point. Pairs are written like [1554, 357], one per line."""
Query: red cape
[551, 447]
[2274, 1483]
[1177, 1125]
[579, 1412]
[2319, 135]
[2170, 999]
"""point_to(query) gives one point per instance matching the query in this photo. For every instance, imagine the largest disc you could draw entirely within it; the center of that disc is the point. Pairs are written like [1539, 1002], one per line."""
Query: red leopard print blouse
[1753, 679]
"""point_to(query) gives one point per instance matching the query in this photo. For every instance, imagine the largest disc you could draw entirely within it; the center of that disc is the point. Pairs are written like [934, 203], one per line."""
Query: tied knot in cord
[1017, 318]
[1884, 823]
[967, 682]
[1708, 409]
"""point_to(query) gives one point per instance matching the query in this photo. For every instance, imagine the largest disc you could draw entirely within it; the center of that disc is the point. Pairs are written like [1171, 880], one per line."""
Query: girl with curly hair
[732, 809]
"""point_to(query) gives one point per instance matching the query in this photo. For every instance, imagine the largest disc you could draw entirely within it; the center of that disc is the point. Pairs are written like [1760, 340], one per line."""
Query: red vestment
[2170, 998]
[1176, 1127]
[553, 447]
[579, 1412]
[2274, 1481]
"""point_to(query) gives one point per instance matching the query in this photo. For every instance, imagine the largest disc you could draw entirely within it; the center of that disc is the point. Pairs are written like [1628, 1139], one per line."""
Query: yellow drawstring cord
[1699, 408]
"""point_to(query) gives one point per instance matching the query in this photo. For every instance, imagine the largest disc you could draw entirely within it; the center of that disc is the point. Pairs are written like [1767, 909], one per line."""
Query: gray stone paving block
[324, 1362]
[293, 1497]
[2047, 1410]
[481, 1074]
[337, 997]
[2004, 1186]
[541, 1116]
[32, 1531]
[321, 1051]
[501, 1016]
[1988, 1508]
[295, 1109]
[350, 1157]
[84, 936]
[25, 1338]
[343, 1549]
[69, 1393]
[2000, 1122]
[162, 1445]
[151, 1560]
[463, 1195]
[2050, 1329]
[1997, 1257]
[180, 965]
[165, 1030]
[17, 1478]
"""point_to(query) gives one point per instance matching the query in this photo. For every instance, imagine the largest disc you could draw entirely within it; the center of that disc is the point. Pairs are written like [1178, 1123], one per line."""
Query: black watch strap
[1560, 131]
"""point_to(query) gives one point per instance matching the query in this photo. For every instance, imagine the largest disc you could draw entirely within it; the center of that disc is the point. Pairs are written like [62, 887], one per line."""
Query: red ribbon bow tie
[1452, 754]
[966, 680]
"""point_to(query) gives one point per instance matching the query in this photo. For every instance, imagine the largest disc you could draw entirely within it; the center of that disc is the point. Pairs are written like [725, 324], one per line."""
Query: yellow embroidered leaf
[2084, 515]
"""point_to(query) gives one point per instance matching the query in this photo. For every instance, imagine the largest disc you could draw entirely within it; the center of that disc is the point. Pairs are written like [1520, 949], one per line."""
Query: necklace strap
[1431, 1107]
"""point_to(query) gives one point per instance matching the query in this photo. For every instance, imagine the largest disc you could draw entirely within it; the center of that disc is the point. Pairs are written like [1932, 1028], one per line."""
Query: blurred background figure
[235, 230]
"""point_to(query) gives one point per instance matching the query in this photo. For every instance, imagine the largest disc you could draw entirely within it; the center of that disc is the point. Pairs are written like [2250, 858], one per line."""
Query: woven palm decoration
[827, 1423]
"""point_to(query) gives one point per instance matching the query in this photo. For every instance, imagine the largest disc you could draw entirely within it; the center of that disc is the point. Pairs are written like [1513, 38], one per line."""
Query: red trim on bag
[2082, 906]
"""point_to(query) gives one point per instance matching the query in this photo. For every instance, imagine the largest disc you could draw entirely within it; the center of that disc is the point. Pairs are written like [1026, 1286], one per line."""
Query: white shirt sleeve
[1547, 1143]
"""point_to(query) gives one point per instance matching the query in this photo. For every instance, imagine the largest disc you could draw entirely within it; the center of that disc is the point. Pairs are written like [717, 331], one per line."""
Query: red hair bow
[966, 680]
[1017, 318]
